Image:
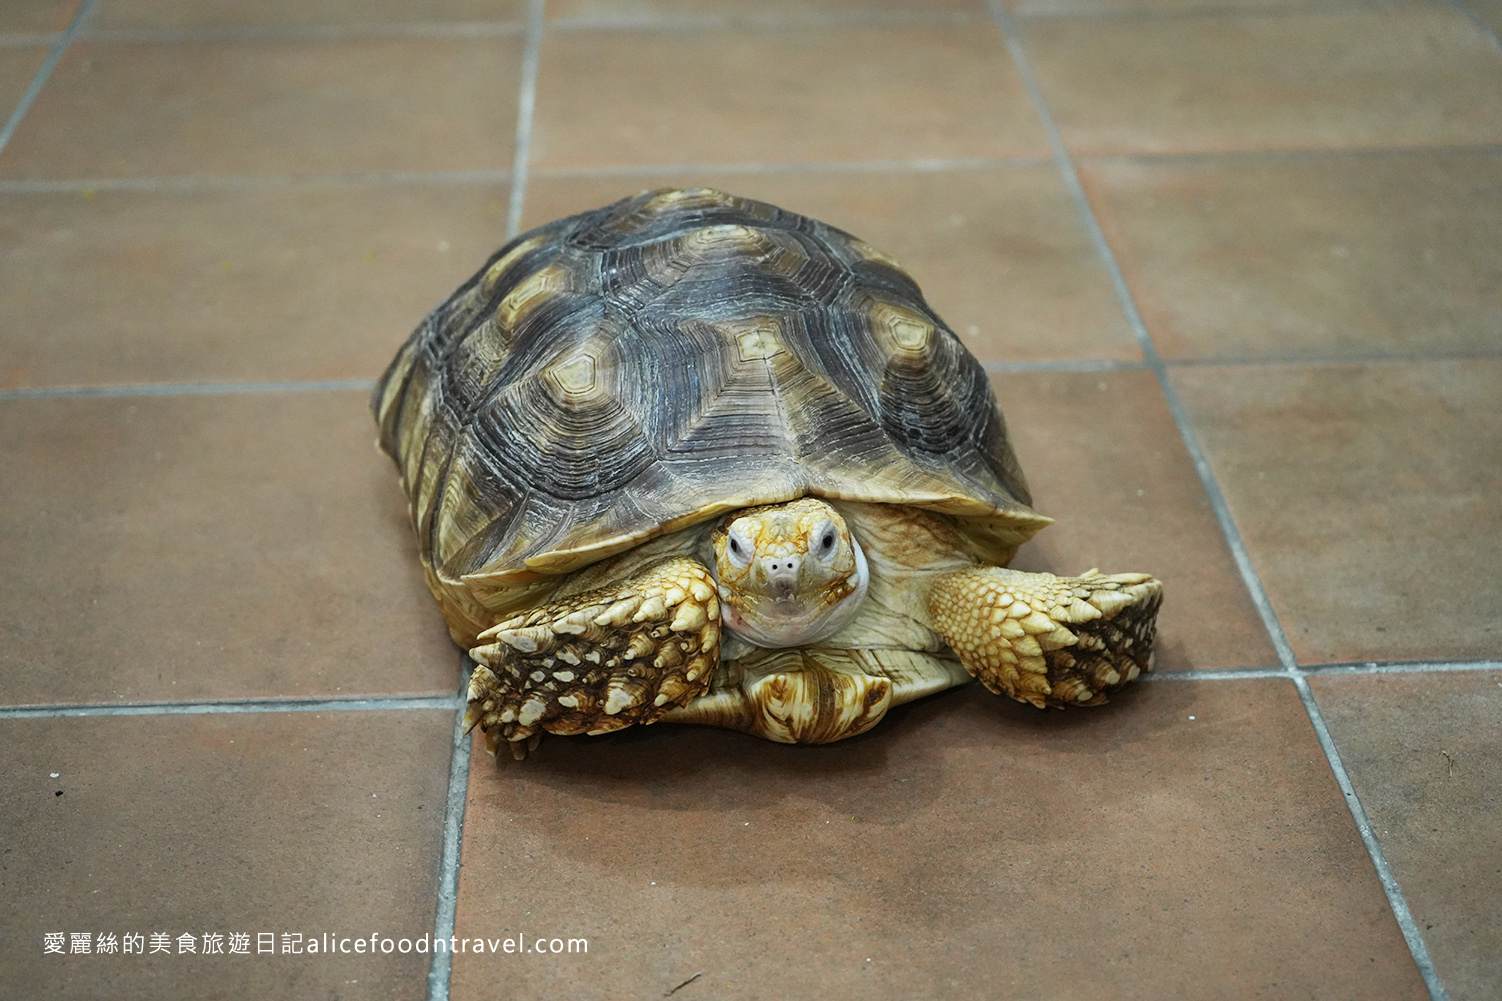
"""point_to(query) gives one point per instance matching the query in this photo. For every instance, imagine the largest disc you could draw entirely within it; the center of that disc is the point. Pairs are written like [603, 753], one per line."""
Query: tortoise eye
[740, 550]
[827, 541]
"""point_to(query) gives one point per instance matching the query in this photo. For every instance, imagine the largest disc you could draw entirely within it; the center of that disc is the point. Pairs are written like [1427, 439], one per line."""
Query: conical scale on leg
[600, 660]
[1048, 640]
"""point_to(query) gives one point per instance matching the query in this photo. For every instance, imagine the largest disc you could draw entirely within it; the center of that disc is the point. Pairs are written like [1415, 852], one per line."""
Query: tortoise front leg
[1050, 641]
[598, 661]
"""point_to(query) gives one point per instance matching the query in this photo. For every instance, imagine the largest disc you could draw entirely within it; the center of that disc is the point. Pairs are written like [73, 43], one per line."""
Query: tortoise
[695, 458]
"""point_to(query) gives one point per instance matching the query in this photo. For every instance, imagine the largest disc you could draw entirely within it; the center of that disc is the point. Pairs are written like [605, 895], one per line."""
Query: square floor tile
[1001, 254]
[133, 109]
[1219, 82]
[1368, 497]
[218, 824]
[783, 96]
[27, 16]
[303, 281]
[137, 14]
[1105, 459]
[200, 547]
[968, 841]
[1421, 751]
[1354, 255]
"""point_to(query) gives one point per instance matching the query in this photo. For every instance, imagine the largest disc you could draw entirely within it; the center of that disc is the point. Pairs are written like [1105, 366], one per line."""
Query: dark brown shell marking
[650, 364]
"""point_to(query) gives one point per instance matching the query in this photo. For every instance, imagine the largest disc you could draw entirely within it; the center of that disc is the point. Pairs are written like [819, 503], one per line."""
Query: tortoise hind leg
[597, 661]
[1050, 641]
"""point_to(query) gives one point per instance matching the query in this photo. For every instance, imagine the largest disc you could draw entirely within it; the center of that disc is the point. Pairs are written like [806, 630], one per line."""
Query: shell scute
[637, 369]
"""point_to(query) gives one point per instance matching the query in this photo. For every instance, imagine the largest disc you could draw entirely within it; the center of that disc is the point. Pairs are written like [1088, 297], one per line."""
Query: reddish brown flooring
[1234, 267]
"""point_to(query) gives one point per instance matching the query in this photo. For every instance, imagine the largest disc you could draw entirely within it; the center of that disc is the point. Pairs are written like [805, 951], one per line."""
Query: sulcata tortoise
[690, 457]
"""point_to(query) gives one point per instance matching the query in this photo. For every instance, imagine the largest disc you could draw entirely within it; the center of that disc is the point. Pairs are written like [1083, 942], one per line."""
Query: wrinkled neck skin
[788, 574]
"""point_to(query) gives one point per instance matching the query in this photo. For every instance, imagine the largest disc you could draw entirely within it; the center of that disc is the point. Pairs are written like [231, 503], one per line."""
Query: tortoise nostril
[781, 570]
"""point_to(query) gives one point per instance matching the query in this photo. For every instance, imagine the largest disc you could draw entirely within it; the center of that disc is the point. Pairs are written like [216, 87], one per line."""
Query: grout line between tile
[918, 166]
[526, 105]
[223, 706]
[1207, 10]
[764, 22]
[1253, 157]
[185, 389]
[1404, 916]
[1398, 667]
[1152, 359]
[647, 22]
[447, 908]
[1252, 580]
[230, 182]
[1326, 670]
[39, 79]
[446, 913]
[461, 30]
[216, 182]
[1480, 22]
[391, 702]
[1080, 365]
[1355, 358]
[1216, 674]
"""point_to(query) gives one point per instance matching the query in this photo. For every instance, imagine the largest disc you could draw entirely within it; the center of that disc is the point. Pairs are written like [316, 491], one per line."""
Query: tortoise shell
[626, 372]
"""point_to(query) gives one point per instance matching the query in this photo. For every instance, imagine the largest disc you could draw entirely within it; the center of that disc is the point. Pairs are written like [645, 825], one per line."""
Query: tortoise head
[788, 574]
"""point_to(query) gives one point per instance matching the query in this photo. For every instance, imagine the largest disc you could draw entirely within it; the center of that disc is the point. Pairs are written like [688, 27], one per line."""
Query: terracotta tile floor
[1236, 270]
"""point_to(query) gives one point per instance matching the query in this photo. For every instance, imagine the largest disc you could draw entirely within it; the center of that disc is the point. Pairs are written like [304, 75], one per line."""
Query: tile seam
[248, 34]
[39, 78]
[1343, 670]
[1272, 361]
[235, 182]
[1216, 674]
[1323, 360]
[1255, 157]
[447, 904]
[446, 910]
[1067, 365]
[768, 22]
[526, 106]
[1406, 922]
[1478, 21]
[1216, 498]
[402, 702]
[185, 389]
[582, 23]
[1215, 10]
[920, 165]
[215, 182]
[211, 707]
